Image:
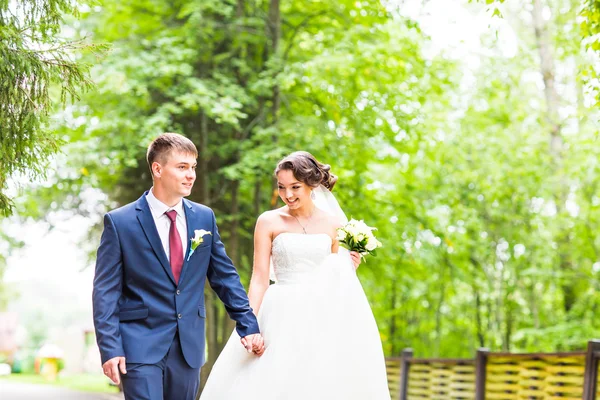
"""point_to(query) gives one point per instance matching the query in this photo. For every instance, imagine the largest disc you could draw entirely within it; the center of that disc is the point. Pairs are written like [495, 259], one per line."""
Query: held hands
[356, 259]
[254, 344]
[112, 367]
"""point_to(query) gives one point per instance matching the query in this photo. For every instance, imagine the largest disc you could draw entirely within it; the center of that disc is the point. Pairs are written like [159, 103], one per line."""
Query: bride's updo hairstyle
[307, 169]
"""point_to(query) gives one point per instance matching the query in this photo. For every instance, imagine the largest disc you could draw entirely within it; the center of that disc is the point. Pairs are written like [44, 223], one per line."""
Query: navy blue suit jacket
[138, 306]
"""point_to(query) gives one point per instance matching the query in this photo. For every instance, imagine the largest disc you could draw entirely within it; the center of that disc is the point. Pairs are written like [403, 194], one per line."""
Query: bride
[320, 336]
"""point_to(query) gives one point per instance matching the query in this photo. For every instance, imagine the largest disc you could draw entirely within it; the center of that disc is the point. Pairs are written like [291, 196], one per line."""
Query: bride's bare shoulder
[271, 223]
[272, 215]
[270, 220]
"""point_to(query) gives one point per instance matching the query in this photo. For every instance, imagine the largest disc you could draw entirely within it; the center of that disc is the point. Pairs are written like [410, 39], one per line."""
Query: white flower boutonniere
[197, 240]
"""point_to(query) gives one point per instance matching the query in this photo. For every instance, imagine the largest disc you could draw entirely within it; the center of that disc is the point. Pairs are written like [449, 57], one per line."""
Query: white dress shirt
[163, 222]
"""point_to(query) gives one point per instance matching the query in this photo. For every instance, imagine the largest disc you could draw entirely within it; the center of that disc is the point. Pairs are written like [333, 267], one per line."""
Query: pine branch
[32, 60]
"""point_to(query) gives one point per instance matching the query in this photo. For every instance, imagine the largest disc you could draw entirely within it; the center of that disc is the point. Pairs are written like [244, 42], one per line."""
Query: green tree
[489, 232]
[246, 98]
[33, 58]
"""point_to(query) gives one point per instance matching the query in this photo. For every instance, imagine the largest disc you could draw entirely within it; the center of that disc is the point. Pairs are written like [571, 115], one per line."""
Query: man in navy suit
[148, 296]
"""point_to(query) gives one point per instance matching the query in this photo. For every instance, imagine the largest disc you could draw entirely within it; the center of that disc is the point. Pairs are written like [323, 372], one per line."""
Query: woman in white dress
[321, 339]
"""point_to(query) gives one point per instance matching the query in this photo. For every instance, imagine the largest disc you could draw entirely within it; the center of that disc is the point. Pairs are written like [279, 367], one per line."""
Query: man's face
[177, 174]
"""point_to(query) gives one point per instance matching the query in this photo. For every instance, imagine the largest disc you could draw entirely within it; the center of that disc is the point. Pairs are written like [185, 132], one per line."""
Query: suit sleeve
[107, 291]
[225, 281]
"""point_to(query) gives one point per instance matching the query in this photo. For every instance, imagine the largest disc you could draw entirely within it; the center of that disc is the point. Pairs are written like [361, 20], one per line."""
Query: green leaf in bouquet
[351, 243]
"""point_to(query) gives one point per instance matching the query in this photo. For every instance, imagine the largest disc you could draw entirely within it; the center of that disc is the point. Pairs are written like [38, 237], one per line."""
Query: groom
[148, 295]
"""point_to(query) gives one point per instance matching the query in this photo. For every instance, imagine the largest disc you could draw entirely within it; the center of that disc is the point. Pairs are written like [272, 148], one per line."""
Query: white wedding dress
[321, 338]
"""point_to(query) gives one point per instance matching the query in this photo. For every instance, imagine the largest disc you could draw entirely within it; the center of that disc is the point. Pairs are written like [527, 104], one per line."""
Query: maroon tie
[175, 250]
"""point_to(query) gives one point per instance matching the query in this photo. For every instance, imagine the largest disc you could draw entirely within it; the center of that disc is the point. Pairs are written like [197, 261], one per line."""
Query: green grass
[82, 382]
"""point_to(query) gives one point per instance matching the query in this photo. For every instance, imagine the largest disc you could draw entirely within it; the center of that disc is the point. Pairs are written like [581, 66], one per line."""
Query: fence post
[406, 355]
[480, 372]
[591, 370]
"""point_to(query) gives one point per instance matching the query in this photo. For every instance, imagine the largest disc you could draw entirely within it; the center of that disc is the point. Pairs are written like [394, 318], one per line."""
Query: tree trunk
[209, 295]
[478, 322]
[275, 28]
[547, 70]
[203, 161]
[227, 326]
[438, 309]
[556, 145]
[5, 203]
[499, 291]
[233, 244]
[233, 250]
[508, 323]
[393, 327]
[257, 197]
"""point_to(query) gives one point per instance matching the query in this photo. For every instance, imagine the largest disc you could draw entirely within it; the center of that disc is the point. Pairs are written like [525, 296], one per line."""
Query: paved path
[23, 391]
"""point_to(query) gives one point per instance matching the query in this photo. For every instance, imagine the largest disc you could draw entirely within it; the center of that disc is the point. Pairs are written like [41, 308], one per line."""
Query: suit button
[179, 316]
[178, 292]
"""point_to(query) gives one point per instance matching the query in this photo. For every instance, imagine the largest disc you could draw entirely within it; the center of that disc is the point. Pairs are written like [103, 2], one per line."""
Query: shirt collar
[158, 208]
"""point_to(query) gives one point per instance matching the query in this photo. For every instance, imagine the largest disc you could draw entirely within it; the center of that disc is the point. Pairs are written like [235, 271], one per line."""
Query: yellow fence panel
[534, 377]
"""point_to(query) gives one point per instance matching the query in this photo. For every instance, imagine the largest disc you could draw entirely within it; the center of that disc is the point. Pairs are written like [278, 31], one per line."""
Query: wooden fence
[497, 376]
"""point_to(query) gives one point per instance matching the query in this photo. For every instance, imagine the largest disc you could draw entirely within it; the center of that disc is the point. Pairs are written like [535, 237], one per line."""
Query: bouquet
[357, 236]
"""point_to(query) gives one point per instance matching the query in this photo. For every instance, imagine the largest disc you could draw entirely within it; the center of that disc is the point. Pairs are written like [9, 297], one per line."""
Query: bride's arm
[259, 282]
[335, 244]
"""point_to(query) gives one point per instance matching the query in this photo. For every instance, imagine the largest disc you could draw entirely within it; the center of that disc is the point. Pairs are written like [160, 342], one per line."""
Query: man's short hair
[162, 146]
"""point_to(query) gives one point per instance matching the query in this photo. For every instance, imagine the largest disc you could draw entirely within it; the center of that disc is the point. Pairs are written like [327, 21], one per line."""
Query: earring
[312, 194]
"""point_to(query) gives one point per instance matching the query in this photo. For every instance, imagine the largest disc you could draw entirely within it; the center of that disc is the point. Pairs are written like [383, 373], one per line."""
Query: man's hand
[254, 344]
[356, 259]
[111, 369]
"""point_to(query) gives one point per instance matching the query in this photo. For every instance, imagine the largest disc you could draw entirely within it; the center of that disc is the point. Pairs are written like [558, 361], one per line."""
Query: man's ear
[156, 170]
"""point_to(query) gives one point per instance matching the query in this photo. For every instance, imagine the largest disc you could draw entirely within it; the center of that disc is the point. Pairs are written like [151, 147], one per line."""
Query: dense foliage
[480, 173]
[34, 58]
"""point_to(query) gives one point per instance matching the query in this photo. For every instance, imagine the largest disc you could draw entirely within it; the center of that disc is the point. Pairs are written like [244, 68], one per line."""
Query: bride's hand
[356, 259]
[254, 344]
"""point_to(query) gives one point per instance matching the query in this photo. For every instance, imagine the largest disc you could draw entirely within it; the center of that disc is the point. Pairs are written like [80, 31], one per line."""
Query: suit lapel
[149, 226]
[190, 221]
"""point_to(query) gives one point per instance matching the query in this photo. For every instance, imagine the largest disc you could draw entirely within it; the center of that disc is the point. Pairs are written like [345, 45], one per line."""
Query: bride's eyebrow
[291, 184]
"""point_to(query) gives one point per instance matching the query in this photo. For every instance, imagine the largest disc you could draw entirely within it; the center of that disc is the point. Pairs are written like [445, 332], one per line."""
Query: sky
[52, 271]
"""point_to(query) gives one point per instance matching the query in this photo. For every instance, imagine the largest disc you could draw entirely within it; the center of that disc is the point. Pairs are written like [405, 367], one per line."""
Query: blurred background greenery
[465, 131]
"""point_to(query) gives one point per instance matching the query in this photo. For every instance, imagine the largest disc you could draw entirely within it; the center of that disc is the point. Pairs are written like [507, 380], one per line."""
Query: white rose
[352, 231]
[361, 226]
[352, 224]
[371, 245]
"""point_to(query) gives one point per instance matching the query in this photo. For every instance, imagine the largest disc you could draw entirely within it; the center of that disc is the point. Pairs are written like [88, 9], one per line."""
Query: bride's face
[295, 194]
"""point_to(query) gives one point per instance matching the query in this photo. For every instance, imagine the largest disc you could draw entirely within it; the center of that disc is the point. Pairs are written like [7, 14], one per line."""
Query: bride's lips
[292, 202]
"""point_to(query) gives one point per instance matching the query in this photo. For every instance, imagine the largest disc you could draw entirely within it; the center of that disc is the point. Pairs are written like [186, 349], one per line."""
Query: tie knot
[172, 215]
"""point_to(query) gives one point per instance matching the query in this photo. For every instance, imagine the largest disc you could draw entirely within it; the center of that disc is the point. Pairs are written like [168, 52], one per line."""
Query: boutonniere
[197, 240]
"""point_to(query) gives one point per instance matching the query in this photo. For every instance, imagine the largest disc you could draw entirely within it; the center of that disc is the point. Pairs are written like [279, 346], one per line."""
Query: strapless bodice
[296, 255]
